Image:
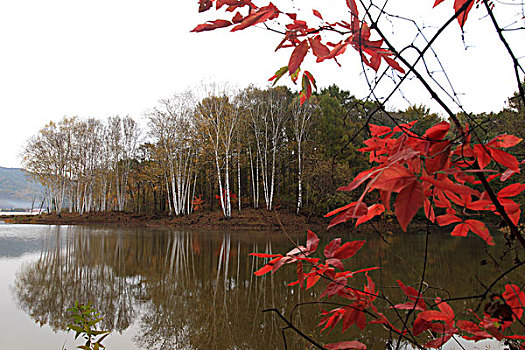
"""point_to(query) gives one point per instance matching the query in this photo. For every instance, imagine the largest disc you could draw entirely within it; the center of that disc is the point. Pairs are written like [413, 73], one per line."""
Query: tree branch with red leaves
[447, 171]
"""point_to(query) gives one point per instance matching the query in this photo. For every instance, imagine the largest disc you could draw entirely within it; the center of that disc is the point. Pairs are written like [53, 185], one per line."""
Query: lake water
[166, 289]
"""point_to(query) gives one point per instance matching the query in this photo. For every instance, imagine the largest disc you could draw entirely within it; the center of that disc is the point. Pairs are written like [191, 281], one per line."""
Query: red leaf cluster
[427, 172]
[304, 38]
[441, 321]
[360, 310]
[416, 172]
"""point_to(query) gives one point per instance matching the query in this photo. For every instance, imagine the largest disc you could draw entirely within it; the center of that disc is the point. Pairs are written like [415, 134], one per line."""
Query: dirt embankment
[248, 219]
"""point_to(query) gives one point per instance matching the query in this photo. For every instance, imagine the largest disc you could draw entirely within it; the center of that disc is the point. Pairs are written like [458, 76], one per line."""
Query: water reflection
[197, 290]
[184, 290]
[69, 269]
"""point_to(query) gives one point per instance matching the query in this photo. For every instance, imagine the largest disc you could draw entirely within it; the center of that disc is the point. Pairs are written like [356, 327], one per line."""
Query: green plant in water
[85, 320]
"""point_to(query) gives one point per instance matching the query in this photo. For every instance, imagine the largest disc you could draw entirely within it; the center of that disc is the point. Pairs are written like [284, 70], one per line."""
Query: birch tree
[172, 127]
[268, 114]
[47, 156]
[218, 115]
[89, 139]
[123, 137]
[302, 117]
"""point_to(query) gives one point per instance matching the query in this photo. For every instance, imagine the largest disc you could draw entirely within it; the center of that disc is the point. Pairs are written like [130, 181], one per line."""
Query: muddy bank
[248, 219]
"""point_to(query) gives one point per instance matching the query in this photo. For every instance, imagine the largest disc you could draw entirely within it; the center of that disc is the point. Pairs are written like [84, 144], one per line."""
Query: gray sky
[100, 58]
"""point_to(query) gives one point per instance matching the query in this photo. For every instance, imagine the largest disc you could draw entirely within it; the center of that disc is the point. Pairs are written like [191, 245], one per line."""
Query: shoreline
[248, 219]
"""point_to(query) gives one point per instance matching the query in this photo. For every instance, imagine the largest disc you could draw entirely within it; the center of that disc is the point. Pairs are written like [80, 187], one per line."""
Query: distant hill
[17, 190]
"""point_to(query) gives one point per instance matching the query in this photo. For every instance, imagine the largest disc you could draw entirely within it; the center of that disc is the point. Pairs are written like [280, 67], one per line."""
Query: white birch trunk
[193, 194]
[169, 195]
[299, 179]
[272, 184]
[227, 182]
[257, 181]
[253, 178]
[221, 194]
[239, 178]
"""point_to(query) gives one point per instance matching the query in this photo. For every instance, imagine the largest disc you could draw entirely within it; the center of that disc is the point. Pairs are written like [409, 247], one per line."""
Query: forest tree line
[223, 149]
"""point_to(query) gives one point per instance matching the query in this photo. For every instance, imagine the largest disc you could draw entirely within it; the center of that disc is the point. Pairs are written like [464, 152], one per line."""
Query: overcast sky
[100, 58]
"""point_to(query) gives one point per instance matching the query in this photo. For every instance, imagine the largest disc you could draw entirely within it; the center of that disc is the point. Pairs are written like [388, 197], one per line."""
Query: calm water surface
[165, 289]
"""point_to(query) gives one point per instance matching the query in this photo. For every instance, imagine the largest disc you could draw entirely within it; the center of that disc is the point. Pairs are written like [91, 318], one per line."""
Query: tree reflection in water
[183, 290]
[69, 269]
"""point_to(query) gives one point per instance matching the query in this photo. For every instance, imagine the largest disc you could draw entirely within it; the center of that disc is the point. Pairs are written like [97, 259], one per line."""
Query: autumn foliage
[303, 38]
[197, 202]
[438, 317]
[444, 174]
[434, 174]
